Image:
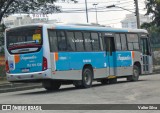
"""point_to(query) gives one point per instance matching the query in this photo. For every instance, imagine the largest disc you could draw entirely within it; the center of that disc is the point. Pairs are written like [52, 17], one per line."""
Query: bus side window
[101, 41]
[118, 42]
[95, 42]
[123, 41]
[70, 40]
[79, 41]
[145, 46]
[133, 42]
[87, 40]
[52, 40]
[62, 42]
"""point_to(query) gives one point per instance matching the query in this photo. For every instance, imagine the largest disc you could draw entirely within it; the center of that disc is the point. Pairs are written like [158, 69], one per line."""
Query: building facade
[13, 21]
[131, 22]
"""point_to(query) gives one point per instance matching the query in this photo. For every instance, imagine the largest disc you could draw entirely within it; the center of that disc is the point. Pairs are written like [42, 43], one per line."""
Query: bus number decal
[34, 65]
[86, 61]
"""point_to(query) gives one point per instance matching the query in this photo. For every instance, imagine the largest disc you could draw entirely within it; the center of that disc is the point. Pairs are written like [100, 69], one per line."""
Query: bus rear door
[146, 54]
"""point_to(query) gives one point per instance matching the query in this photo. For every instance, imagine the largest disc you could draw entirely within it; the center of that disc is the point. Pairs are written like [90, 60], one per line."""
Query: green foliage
[150, 27]
[2, 29]
[153, 8]
[1, 39]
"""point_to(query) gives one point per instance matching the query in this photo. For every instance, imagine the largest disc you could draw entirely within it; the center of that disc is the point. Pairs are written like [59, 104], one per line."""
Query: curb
[18, 87]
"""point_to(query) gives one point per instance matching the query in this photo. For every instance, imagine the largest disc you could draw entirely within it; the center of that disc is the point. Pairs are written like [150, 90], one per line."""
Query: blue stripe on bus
[76, 60]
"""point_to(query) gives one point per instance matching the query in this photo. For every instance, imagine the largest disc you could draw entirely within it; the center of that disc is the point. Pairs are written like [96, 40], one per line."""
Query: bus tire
[87, 78]
[135, 75]
[113, 81]
[51, 85]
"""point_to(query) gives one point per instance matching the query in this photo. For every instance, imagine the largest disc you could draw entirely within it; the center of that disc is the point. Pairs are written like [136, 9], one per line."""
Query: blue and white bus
[57, 54]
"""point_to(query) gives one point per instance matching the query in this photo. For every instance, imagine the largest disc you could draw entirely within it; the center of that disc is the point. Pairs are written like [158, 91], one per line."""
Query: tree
[2, 29]
[153, 9]
[8, 7]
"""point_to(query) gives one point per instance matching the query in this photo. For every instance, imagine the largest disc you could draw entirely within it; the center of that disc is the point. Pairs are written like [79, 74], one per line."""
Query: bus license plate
[25, 70]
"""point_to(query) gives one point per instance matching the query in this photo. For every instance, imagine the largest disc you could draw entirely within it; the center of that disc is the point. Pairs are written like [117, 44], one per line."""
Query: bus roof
[87, 27]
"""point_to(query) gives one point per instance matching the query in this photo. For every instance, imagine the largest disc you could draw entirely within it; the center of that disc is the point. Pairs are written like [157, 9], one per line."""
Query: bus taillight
[7, 66]
[44, 64]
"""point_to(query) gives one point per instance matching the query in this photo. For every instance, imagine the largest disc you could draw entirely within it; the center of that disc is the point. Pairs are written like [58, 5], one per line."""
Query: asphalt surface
[144, 91]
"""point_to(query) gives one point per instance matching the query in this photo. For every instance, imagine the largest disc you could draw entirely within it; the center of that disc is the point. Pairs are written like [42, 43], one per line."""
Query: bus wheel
[87, 77]
[104, 81]
[135, 75]
[113, 80]
[51, 85]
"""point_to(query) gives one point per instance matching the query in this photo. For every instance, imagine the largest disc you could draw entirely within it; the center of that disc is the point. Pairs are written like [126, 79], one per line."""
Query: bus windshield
[25, 39]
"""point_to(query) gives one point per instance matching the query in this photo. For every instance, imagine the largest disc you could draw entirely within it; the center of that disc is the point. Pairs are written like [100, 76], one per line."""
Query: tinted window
[130, 46]
[24, 39]
[118, 42]
[62, 43]
[71, 43]
[101, 42]
[133, 42]
[136, 46]
[95, 41]
[123, 42]
[132, 37]
[52, 40]
[88, 45]
[79, 41]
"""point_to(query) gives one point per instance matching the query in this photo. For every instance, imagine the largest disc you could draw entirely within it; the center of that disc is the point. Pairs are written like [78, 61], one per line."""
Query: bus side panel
[61, 70]
[123, 63]
[96, 59]
[137, 57]
[76, 62]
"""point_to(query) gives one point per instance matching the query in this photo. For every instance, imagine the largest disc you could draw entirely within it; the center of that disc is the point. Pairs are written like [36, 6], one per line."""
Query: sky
[75, 13]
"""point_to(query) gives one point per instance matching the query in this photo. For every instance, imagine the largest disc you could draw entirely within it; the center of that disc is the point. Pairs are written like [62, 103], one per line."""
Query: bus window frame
[98, 41]
[148, 44]
[82, 31]
[67, 40]
[90, 42]
[134, 42]
[103, 41]
[119, 33]
[40, 45]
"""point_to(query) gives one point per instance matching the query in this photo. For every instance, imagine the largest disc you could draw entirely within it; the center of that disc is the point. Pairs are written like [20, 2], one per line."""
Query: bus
[78, 54]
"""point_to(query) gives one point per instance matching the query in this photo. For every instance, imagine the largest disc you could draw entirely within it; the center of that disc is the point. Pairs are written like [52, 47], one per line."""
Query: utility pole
[95, 4]
[86, 10]
[137, 13]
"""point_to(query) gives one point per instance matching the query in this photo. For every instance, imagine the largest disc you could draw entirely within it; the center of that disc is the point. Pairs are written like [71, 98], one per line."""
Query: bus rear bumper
[29, 76]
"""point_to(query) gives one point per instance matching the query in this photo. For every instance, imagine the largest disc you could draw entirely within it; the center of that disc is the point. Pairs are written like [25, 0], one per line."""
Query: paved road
[144, 91]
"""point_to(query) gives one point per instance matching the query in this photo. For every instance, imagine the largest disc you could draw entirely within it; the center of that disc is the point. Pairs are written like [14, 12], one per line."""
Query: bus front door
[146, 55]
[110, 48]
